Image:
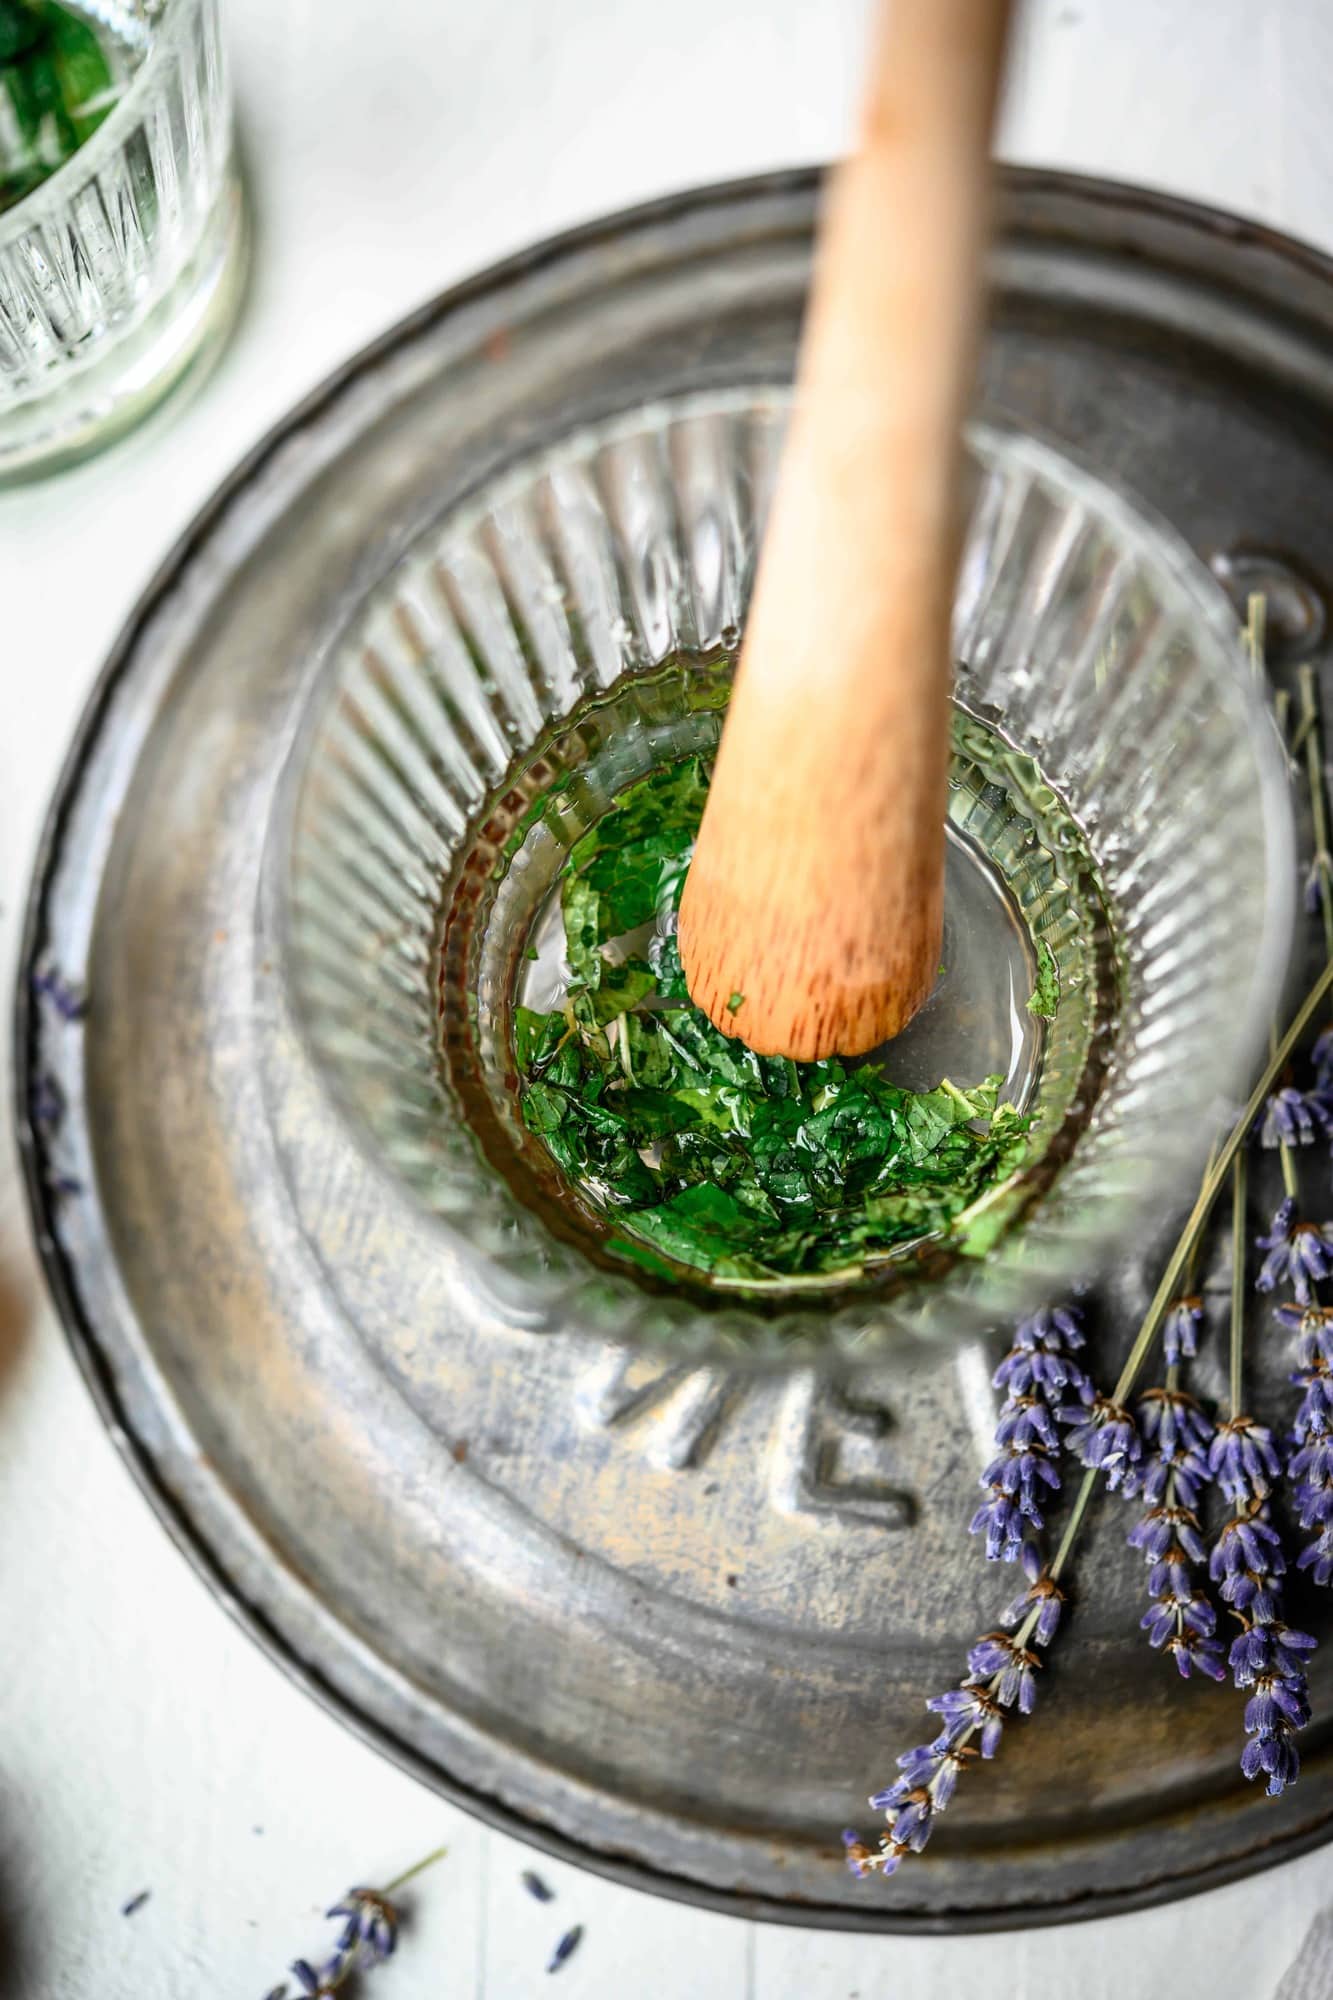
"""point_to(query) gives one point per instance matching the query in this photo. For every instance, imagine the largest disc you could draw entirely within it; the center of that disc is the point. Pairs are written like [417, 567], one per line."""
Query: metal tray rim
[134, 1451]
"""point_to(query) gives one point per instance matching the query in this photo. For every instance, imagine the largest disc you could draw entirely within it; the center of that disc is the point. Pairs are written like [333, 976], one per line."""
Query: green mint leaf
[582, 909]
[1045, 996]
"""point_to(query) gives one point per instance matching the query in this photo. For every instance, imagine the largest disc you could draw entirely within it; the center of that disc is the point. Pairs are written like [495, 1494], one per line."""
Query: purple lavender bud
[1242, 1460]
[1170, 1577]
[1022, 1472]
[1165, 1528]
[565, 1948]
[1038, 1362]
[1269, 1649]
[1012, 1668]
[1106, 1437]
[1193, 1651]
[1318, 1558]
[1322, 1057]
[1186, 1472]
[912, 1822]
[1274, 1755]
[1299, 1253]
[371, 1921]
[316, 1984]
[1003, 1523]
[1180, 1328]
[1248, 1541]
[860, 1859]
[1046, 1599]
[1169, 1417]
[1295, 1118]
[1276, 1700]
[965, 1709]
[1026, 1421]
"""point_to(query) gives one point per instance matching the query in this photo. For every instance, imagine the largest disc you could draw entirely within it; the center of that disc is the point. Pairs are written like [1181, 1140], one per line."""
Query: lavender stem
[1238, 1248]
[1068, 1538]
[1312, 731]
[417, 1868]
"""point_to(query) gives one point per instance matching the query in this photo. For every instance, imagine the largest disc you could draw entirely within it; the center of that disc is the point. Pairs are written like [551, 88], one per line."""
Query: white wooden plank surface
[142, 1738]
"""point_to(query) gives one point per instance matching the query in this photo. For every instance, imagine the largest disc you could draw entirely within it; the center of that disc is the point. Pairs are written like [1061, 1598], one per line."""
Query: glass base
[89, 407]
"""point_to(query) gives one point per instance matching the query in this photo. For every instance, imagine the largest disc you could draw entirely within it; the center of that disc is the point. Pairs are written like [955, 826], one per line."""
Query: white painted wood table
[144, 1742]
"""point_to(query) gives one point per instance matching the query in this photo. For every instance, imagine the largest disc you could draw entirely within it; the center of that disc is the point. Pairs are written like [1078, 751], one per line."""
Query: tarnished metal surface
[673, 1622]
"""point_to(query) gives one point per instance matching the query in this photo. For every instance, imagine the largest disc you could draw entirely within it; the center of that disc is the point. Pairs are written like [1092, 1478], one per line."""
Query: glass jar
[125, 265]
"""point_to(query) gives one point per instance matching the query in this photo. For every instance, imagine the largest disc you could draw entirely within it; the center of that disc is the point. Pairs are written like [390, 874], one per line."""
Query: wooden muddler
[812, 916]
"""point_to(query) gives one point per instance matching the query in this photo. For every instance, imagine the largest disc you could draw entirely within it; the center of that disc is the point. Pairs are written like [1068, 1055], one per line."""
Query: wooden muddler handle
[812, 916]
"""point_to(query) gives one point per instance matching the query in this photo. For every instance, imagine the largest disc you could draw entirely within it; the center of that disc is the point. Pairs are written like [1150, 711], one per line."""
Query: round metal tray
[671, 1623]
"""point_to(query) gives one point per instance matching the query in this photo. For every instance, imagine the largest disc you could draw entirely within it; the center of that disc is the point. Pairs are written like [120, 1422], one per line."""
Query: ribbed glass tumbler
[124, 265]
[1116, 779]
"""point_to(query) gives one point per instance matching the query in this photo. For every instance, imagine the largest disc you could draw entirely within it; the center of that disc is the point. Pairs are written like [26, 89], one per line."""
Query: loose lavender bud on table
[565, 1948]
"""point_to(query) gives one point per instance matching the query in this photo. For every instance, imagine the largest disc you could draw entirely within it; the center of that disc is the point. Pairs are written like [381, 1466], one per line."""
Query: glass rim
[60, 189]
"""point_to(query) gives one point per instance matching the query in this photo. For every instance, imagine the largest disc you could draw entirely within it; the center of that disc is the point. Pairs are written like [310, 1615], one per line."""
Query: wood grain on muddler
[812, 918]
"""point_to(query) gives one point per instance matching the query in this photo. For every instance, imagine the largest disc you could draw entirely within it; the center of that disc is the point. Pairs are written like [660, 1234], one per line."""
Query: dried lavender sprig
[1180, 1618]
[1001, 1677]
[1267, 1658]
[934, 1767]
[1310, 1467]
[368, 1937]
